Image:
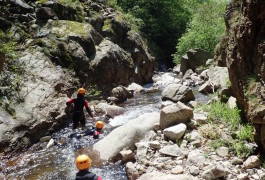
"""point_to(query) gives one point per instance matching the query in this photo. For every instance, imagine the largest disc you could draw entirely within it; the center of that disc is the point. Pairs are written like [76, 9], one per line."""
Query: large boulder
[194, 59]
[121, 93]
[125, 137]
[245, 61]
[177, 92]
[175, 114]
[42, 109]
[218, 76]
[110, 110]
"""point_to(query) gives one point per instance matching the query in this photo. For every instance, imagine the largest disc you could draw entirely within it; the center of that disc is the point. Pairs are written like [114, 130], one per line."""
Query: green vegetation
[221, 115]
[205, 29]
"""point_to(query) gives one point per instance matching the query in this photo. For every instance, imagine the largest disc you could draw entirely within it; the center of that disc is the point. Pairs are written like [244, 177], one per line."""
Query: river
[58, 162]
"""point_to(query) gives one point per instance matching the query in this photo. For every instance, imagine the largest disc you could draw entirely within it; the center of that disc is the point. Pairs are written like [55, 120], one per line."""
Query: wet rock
[175, 132]
[110, 110]
[121, 93]
[177, 92]
[177, 170]
[45, 139]
[252, 162]
[131, 171]
[172, 150]
[194, 170]
[175, 114]
[223, 151]
[236, 161]
[127, 156]
[135, 88]
[214, 173]
[125, 136]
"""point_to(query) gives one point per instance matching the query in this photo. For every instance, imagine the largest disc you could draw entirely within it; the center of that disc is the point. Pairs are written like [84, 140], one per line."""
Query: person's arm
[70, 102]
[89, 111]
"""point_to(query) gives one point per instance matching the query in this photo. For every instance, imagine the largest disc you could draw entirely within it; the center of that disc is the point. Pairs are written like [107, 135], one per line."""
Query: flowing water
[58, 162]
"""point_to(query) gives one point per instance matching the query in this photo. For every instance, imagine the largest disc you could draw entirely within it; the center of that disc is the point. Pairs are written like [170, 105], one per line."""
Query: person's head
[83, 162]
[81, 92]
[99, 125]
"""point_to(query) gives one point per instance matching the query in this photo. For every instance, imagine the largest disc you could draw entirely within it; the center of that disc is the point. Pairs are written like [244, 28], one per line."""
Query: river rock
[142, 148]
[165, 79]
[176, 69]
[214, 173]
[174, 133]
[172, 150]
[166, 103]
[125, 136]
[177, 170]
[131, 171]
[243, 176]
[158, 176]
[200, 118]
[252, 162]
[110, 110]
[126, 156]
[175, 114]
[45, 139]
[177, 92]
[207, 88]
[218, 76]
[135, 88]
[156, 127]
[154, 144]
[121, 93]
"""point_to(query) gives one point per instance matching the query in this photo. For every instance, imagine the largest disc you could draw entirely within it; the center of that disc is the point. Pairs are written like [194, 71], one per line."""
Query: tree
[205, 29]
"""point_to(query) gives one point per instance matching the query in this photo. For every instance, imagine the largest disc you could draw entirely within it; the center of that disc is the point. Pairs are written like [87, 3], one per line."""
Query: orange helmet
[83, 162]
[81, 91]
[99, 124]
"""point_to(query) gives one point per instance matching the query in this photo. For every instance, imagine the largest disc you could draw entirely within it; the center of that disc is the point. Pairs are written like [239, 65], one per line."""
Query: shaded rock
[207, 88]
[22, 5]
[156, 127]
[252, 162]
[110, 110]
[125, 136]
[45, 13]
[131, 171]
[214, 173]
[177, 92]
[174, 133]
[2, 61]
[121, 93]
[175, 114]
[171, 150]
[194, 59]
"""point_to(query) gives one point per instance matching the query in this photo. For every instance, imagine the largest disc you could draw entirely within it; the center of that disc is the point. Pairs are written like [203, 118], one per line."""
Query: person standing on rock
[83, 164]
[79, 104]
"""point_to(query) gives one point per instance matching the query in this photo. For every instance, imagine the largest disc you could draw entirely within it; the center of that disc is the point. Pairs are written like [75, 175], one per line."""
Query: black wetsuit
[86, 175]
[79, 104]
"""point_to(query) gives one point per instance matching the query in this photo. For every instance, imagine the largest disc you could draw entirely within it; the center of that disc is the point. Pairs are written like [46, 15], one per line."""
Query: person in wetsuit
[83, 164]
[93, 131]
[79, 104]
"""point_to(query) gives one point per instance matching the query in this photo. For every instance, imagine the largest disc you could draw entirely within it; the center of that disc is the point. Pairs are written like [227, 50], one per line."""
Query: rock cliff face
[245, 50]
[62, 44]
